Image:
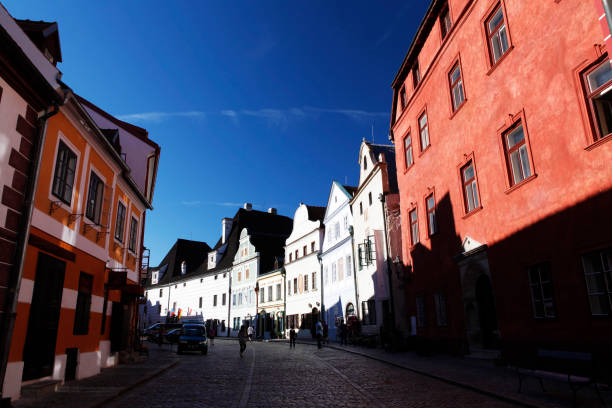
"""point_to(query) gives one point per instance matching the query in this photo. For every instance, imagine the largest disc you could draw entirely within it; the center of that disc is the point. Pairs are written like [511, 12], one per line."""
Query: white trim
[66, 234]
[59, 367]
[607, 38]
[89, 364]
[602, 16]
[26, 290]
[97, 304]
[77, 152]
[82, 198]
[69, 298]
[12, 380]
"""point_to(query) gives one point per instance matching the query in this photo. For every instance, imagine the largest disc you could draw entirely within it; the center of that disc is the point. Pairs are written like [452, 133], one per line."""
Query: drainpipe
[22, 239]
[357, 308]
[229, 304]
[608, 10]
[284, 280]
[382, 197]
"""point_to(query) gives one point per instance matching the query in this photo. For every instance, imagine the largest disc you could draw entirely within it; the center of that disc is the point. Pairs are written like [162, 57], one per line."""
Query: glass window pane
[600, 305]
[430, 203]
[496, 46]
[455, 75]
[525, 161]
[468, 173]
[413, 216]
[595, 283]
[539, 309]
[503, 38]
[475, 194]
[600, 76]
[423, 120]
[515, 137]
[515, 164]
[497, 18]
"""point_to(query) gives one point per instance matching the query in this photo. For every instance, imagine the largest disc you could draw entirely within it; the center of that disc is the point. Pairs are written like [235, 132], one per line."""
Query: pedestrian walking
[319, 331]
[343, 333]
[242, 338]
[325, 333]
[292, 337]
[250, 333]
[211, 335]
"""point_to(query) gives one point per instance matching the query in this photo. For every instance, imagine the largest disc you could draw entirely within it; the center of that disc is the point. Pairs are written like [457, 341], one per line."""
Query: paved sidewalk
[99, 389]
[481, 376]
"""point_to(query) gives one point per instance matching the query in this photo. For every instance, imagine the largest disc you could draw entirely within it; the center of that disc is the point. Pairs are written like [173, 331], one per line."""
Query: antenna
[372, 133]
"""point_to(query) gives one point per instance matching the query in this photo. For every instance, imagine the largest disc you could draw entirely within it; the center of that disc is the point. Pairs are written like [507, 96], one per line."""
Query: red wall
[555, 216]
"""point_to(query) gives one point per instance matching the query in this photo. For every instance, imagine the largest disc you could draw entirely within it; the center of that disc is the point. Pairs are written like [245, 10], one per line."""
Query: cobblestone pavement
[271, 374]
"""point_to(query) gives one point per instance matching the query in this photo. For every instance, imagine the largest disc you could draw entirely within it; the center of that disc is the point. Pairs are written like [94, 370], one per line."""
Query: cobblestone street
[271, 374]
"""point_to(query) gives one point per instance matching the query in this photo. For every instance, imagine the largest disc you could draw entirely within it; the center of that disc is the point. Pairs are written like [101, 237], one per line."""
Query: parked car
[172, 336]
[153, 332]
[192, 337]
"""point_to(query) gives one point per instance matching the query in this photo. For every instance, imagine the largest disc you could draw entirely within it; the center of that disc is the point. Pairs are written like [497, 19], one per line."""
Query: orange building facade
[501, 122]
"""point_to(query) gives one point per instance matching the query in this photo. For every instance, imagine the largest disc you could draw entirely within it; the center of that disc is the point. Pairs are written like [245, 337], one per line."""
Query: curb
[436, 377]
[136, 384]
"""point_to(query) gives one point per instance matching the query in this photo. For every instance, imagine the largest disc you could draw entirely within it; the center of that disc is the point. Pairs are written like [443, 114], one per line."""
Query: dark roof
[350, 189]
[43, 34]
[137, 131]
[389, 153]
[316, 213]
[268, 232]
[194, 253]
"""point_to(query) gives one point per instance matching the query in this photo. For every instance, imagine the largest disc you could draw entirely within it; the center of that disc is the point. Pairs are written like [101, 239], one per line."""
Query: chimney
[248, 206]
[382, 158]
[272, 210]
[226, 226]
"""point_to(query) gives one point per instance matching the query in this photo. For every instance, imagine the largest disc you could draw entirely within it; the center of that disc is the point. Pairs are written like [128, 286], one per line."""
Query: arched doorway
[486, 312]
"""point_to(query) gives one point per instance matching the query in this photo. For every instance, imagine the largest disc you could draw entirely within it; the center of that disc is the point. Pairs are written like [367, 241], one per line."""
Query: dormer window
[416, 74]
[365, 163]
[183, 268]
[445, 22]
[403, 98]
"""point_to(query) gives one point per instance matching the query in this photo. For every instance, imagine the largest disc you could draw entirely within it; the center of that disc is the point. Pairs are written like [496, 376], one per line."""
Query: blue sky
[263, 102]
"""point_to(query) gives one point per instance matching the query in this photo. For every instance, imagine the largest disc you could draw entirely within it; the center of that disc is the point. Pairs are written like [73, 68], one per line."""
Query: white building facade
[271, 304]
[339, 279]
[370, 237]
[244, 279]
[303, 270]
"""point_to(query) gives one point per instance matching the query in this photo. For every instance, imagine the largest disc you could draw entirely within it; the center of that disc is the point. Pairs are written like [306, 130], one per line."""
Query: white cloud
[159, 116]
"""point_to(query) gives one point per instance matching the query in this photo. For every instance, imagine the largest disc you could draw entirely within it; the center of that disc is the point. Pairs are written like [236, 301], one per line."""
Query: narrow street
[271, 374]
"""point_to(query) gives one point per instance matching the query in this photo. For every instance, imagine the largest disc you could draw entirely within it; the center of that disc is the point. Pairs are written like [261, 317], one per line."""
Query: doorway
[41, 336]
[486, 312]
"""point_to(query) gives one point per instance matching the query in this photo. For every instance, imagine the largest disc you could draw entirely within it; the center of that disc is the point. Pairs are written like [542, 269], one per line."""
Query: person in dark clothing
[242, 339]
[343, 333]
[292, 337]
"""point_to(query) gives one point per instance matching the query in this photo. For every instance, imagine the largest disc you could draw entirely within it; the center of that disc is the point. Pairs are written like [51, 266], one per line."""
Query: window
[295, 285]
[290, 257]
[234, 300]
[314, 281]
[240, 298]
[349, 265]
[517, 157]
[133, 235]
[420, 311]
[497, 34]
[326, 274]
[296, 254]
[312, 246]
[424, 131]
[445, 22]
[63, 179]
[200, 303]
[370, 198]
[599, 99]
[239, 276]
[305, 250]
[365, 163]
[470, 188]
[456, 86]
[334, 272]
[223, 299]
[246, 274]
[278, 291]
[368, 309]
[94, 198]
[83, 305]
[120, 222]
[236, 323]
[440, 304]
[161, 293]
[262, 295]
[416, 74]
[432, 226]
[270, 294]
[366, 252]
[306, 283]
[403, 98]
[408, 159]
[214, 300]
[289, 288]
[414, 227]
[360, 208]
[346, 226]
[598, 274]
[540, 282]
[337, 230]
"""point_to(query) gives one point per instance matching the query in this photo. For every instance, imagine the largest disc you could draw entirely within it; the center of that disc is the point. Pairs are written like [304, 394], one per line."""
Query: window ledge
[422, 152]
[498, 62]
[474, 211]
[521, 183]
[452, 115]
[598, 143]
[409, 167]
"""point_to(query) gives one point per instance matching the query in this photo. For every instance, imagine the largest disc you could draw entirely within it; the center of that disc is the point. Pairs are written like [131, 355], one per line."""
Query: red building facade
[501, 120]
